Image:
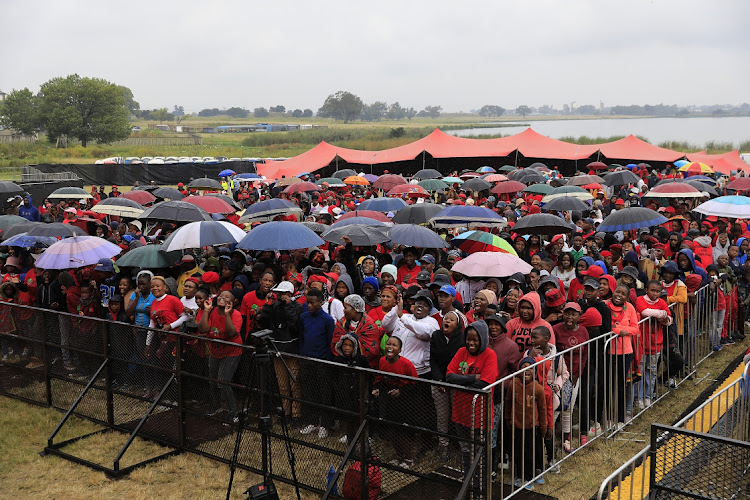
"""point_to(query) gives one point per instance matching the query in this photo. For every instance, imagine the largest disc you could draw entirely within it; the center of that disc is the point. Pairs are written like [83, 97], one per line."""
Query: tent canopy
[723, 163]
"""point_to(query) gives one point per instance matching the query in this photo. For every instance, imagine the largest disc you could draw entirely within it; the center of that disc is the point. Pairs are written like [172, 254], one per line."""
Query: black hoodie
[442, 350]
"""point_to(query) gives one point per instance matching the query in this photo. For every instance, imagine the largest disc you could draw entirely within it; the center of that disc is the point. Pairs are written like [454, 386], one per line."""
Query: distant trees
[297, 113]
[236, 112]
[433, 111]
[160, 115]
[277, 109]
[19, 112]
[396, 112]
[374, 112]
[307, 113]
[410, 113]
[341, 106]
[523, 110]
[490, 110]
[646, 110]
[586, 109]
[178, 110]
[210, 112]
[260, 112]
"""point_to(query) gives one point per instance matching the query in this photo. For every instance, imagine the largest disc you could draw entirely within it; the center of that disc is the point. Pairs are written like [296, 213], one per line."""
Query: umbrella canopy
[369, 214]
[66, 193]
[359, 220]
[384, 205]
[705, 179]
[582, 180]
[25, 241]
[8, 221]
[361, 235]
[210, 204]
[8, 189]
[344, 173]
[167, 193]
[518, 173]
[315, 227]
[631, 218]
[574, 191]
[427, 173]
[75, 252]
[566, 203]
[538, 189]
[495, 178]
[597, 165]
[699, 185]
[593, 186]
[148, 188]
[140, 196]
[280, 235]
[371, 177]
[301, 187]
[465, 176]
[247, 175]
[466, 215]
[121, 207]
[356, 180]
[416, 236]
[205, 184]
[680, 163]
[491, 265]
[673, 190]
[541, 224]
[726, 206]
[481, 241]
[226, 198]
[175, 211]
[529, 176]
[56, 230]
[268, 209]
[419, 213]
[621, 178]
[453, 180]
[739, 184]
[433, 185]
[412, 190]
[476, 185]
[486, 170]
[388, 181]
[331, 181]
[149, 257]
[19, 228]
[539, 165]
[226, 173]
[203, 234]
[507, 168]
[697, 168]
[288, 181]
[508, 187]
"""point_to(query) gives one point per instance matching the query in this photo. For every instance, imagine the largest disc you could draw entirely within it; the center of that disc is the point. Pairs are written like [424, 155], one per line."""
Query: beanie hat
[357, 303]
[389, 269]
[210, 278]
[372, 281]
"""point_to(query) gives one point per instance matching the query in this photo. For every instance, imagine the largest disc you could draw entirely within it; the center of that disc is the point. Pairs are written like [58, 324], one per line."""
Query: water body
[695, 131]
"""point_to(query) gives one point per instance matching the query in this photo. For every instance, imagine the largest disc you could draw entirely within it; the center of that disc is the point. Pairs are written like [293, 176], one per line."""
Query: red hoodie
[519, 331]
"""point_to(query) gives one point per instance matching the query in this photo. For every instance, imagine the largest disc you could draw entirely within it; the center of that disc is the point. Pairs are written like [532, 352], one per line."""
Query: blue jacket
[30, 213]
[317, 335]
[693, 267]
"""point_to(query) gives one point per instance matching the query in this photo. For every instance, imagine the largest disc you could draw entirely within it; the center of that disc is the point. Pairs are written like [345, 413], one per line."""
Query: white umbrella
[121, 207]
[203, 234]
[76, 251]
[737, 207]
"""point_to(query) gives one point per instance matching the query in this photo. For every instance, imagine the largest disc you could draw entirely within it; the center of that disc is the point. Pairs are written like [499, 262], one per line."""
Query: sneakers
[672, 384]
[641, 404]
[647, 402]
[343, 439]
[309, 429]
[628, 417]
[407, 464]
[554, 467]
[567, 448]
[539, 480]
[727, 341]
[519, 482]
[322, 433]
[717, 347]
[595, 429]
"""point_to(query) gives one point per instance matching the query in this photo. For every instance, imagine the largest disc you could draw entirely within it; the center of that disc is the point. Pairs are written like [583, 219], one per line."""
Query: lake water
[695, 131]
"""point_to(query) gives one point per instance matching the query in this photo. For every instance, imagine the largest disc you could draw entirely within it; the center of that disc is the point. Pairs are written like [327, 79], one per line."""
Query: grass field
[27, 475]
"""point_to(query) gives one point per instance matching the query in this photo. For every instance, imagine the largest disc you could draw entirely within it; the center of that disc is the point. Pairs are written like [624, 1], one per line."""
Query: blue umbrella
[269, 209]
[280, 235]
[24, 241]
[384, 205]
[247, 175]
[703, 178]
[680, 163]
[466, 215]
[365, 221]
[413, 235]
[631, 218]
[226, 173]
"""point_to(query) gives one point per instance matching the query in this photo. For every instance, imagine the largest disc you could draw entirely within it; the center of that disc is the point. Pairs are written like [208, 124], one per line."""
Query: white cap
[136, 223]
[284, 286]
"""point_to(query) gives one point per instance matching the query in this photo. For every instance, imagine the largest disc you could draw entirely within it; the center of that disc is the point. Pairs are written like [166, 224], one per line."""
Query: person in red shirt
[167, 314]
[653, 307]
[225, 323]
[408, 269]
[253, 302]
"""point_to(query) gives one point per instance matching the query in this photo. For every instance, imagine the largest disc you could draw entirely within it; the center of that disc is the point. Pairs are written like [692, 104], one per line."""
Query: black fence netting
[414, 437]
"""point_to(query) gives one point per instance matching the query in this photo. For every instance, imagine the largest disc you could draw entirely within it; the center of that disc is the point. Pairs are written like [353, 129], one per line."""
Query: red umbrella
[469, 175]
[210, 204]
[378, 216]
[508, 187]
[496, 178]
[597, 165]
[388, 181]
[673, 190]
[412, 190]
[301, 187]
[140, 196]
[739, 184]
[594, 185]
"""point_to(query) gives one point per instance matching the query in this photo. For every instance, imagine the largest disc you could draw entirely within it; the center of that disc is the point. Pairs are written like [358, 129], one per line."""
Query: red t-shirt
[402, 366]
[217, 329]
[565, 339]
[484, 365]
[251, 305]
[166, 311]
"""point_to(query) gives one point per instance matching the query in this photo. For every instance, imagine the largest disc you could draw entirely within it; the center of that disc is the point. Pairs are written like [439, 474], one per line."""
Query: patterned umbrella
[697, 168]
[482, 241]
[25, 241]
[75, 252]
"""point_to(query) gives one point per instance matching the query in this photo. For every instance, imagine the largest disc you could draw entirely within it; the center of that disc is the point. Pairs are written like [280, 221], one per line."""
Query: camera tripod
[267, 381]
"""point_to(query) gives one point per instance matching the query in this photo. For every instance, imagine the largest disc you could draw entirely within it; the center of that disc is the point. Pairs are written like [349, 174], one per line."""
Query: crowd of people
[403, 310]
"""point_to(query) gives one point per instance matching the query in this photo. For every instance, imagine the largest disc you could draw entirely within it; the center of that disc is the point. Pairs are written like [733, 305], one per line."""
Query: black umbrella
[428, 173]
[167, 193]
[518, 173]
[631, 218]
[413, 235]
[541, 224]
[476, 184]
[621, 178]
[8, 221]
[566, 203]
[344, 173]
[532, 178]
[18, 228]
[316, 227]
[421, 213]
[205, 184]
[8, 190]
[226, 198]
[150, 188]
[360, 234]
[538, 165]
[56, 230]
[176, 211]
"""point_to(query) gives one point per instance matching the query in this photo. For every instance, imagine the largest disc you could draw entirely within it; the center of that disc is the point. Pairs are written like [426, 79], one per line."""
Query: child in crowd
[653, 307]
[717, 333]
[346, 388]
[120, 341]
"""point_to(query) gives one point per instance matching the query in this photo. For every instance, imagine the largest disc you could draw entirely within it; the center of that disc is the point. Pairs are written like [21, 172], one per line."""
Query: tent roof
[634, 149]
[532, 144]
[724, 163]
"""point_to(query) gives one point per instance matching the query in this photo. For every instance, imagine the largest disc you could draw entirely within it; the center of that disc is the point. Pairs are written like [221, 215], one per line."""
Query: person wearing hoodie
[28, 211]
[722, 245]
[625, 326]
[703, 250]
[346, 386]
[370, 291]
[444, 344]
[362, 326]
[473, 366]
[575, 289]
[529, 317]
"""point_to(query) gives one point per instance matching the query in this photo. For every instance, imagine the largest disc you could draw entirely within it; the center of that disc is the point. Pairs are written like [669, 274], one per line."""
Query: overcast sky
[457, 54]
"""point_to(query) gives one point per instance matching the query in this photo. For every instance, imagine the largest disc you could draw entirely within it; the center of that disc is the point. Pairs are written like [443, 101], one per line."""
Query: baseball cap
[71, 210]
[593, 271]
[284, 287]
[425, 295]
[105, 265]
[428, 258]
[423, 276]
[592, 283]
[572, 305]
[448, 289]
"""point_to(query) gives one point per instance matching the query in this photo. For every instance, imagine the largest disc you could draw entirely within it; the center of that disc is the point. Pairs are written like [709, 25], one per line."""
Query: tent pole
[423, 159]
[515, 162]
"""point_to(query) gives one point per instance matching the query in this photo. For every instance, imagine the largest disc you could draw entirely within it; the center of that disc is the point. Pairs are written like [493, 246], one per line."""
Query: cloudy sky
[458, 54]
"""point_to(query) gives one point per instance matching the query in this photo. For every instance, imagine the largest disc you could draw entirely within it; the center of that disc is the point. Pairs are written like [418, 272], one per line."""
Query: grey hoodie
[484, 334]
[347, 280]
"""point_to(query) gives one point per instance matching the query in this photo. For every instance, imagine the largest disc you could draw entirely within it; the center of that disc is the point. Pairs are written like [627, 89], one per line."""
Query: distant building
[2, 95]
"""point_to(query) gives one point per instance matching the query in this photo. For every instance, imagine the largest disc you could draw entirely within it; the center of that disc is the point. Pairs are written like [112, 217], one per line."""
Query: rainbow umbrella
[697, 168]
[726, 206]
[482, 241]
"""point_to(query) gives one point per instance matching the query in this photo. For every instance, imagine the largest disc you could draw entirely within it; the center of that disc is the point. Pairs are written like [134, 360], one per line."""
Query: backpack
[353, 481]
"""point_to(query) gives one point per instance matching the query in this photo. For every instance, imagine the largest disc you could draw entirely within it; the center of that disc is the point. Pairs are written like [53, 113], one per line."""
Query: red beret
[210, 278]
[619, 202]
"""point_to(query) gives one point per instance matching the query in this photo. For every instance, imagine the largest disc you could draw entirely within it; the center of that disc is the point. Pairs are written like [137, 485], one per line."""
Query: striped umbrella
[482, 241]
[696, 168]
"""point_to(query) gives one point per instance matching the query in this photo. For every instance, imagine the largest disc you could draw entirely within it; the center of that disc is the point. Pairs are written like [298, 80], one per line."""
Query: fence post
[364, 438]
[108, 375]
[489, 421]
[46, 360]
[180, 408]
[652, 470]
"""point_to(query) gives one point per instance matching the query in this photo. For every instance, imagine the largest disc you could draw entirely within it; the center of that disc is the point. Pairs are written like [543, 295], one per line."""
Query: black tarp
[126, 175]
